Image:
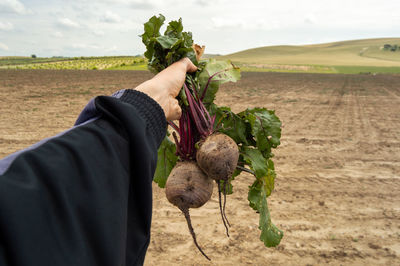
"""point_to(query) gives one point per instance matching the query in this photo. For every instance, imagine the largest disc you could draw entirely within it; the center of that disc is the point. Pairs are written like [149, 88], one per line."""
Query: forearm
[77, 197]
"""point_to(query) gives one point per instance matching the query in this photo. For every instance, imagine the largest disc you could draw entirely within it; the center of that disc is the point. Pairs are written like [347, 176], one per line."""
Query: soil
[337, 191]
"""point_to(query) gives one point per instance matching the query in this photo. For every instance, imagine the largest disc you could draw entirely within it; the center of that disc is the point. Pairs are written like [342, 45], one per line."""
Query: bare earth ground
[337, 192]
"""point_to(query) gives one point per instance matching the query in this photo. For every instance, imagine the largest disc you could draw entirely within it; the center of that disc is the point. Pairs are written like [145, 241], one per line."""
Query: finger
[175, 111]
[190, 67]
[180, 67]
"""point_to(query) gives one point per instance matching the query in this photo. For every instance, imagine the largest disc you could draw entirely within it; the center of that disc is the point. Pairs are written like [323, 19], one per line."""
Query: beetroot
[217, 156]
[188, 187]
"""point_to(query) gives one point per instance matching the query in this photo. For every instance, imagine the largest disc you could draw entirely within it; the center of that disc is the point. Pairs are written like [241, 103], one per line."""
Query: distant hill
[210, 55]
[367, 52]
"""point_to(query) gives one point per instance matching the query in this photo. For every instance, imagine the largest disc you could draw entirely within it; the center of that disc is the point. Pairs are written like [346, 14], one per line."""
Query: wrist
[145, 87]
[150, 89]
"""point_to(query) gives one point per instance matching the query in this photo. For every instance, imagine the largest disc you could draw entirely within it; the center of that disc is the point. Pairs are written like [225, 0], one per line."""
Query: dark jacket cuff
[149, 110]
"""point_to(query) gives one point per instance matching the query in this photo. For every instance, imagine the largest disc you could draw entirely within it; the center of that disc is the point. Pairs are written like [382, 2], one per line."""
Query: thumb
[190, 67]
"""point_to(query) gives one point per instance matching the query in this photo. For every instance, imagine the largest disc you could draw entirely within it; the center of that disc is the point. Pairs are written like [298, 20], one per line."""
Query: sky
[112, 27]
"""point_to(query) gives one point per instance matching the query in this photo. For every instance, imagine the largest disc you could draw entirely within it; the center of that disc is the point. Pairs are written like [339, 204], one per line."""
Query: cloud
[310, 19]
[13, 6]
[128, 26]
[57, 34]
[3, 47]
[111, 49]
[237, 23]
[227, 23]
[93, 48]
[66, 22]
[85, 46]
[111, 17]
[202, 2]
[6, 26]
[138, 4]
[98, 32]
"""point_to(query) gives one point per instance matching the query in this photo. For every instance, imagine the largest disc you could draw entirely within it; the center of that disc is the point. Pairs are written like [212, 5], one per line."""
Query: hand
[165, 86]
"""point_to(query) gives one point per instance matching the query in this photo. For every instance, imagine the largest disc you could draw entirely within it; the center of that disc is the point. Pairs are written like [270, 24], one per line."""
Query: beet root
[188, 187]
[217, 156]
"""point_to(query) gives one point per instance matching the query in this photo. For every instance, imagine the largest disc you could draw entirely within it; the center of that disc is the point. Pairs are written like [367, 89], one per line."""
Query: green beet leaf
[222, 72]
[254, 158]
[269, 179]
[151, 32]
[164, 50]
[167, 42]
[270, 234]
[188, 41]
[152, 29]
[166, 161]
[174, 29]
[263, 168]
[265, 127]
[230, 123]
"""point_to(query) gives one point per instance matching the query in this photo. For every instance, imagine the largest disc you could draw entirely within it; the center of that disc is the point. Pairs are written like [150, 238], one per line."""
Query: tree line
[391, 47]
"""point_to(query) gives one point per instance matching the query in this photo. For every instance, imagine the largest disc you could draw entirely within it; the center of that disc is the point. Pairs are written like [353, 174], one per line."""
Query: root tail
[189, 223]
[220, 208]
[223, 210]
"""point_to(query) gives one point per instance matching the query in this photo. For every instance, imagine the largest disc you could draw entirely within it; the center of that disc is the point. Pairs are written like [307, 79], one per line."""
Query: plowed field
[337, 194]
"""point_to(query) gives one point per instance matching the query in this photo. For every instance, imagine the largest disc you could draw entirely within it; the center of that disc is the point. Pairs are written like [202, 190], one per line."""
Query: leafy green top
[164, 50]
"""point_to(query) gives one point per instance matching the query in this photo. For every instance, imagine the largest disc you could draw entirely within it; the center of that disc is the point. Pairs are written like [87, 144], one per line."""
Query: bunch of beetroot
[211, 142]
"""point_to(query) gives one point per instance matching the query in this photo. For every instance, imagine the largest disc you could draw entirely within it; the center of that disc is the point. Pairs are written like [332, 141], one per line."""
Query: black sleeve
[84, 196]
